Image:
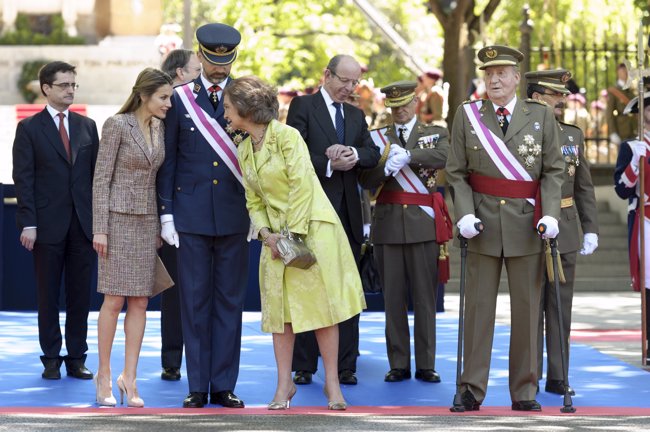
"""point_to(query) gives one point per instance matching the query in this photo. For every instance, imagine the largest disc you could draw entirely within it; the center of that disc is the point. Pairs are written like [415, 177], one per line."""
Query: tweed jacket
[125, 175]
[397, 224]
[577, 184]
[509, 225]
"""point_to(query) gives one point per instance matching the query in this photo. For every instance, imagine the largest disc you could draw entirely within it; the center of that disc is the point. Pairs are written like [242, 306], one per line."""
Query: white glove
[396, 162]
[589, 244]
[552, 229]
[366, 230]
[638, 150]
[467, 226]
[396, 149]
[614, 138]
[169, 234]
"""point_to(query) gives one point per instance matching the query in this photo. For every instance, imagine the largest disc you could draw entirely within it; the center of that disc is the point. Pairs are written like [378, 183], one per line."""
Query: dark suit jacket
[311, 117]
[48, 187]
[194, 184]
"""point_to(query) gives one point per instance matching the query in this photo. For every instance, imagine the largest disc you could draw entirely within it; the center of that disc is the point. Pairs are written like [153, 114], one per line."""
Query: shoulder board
[378, 129]
[469, 101]
[535, 101]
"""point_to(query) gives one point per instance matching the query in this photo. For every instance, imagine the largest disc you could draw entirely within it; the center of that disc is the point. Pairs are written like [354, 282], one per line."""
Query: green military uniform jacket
[403, 224]
[508, 222]
[622, 124]
[577, 184]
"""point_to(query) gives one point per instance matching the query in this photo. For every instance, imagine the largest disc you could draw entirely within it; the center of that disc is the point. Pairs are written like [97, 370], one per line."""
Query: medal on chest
[571, 157]
[529, 150]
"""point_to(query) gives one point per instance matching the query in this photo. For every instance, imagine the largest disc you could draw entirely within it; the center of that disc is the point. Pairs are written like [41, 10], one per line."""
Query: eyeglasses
[66, 86]
[345, 81]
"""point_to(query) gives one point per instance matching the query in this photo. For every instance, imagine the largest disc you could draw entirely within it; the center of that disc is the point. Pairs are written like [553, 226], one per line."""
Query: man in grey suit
[54, 156]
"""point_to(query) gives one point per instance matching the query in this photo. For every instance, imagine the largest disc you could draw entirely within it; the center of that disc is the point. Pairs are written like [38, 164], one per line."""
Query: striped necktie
[340, 123]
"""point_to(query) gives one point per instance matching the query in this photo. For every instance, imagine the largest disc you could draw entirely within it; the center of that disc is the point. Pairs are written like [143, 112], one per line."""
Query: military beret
[399, 93]
[218, 43]
[555, 79]
[633, 106]
[499, 55]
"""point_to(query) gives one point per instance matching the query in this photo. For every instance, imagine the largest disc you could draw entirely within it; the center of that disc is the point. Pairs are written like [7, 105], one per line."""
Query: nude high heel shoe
[103, 400]
[132, 400]
[335, 405]
[283, 404]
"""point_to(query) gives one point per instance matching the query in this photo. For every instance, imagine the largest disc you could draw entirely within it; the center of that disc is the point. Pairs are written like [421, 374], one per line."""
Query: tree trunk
[454, 65]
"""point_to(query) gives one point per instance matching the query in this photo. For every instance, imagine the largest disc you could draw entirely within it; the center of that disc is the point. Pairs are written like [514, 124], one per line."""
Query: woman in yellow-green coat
[282, 190]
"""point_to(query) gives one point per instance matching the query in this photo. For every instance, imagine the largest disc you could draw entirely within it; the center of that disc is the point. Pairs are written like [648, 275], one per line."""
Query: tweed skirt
[129, 268]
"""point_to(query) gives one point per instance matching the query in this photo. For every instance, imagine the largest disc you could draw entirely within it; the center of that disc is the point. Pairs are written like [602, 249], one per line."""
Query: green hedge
[24, 35]
[29, 73]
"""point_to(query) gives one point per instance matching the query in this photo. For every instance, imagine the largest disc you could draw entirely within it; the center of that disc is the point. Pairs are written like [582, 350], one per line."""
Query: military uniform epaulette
[569, 125]
[377, 128]
[536, 101]
[469, 101]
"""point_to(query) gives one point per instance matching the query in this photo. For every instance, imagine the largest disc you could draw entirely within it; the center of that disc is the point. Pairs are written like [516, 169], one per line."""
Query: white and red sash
[211, 130]
[502, 157]
[407, 179]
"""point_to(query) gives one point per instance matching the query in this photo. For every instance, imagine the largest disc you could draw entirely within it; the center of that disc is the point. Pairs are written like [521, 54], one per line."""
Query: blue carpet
[599, 380]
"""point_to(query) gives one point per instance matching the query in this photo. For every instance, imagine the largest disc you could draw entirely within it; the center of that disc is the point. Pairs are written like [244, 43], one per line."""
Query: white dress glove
[639, 149]
[168, 233]
[589, 244]
[366, 230]
[552, 228]
[467, 226]
[397, 159]
[614, 138]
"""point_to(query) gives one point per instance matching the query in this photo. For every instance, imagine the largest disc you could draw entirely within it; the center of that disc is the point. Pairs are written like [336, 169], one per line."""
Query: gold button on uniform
[405, 206]
[215, 163]
[215, 181]
[502, 202]
[162, 207]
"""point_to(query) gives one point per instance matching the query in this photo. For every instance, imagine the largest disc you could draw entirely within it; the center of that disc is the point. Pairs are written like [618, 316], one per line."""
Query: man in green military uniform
[621, 126]
[505, 171]
[407, 214]
[578, 199]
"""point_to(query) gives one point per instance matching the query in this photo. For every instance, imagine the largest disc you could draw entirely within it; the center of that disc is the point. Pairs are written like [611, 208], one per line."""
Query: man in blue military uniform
[203, 213]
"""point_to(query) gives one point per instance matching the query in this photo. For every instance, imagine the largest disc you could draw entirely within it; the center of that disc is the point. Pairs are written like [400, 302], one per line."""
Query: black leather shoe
[195, 400]
[52, 366]
[170, 374]
[397, 375]
[302, 377]
[469, 401]
[227, 399]
[76, 368]
[427, 375]
[557, 387]
[346, 376]
[526, 406]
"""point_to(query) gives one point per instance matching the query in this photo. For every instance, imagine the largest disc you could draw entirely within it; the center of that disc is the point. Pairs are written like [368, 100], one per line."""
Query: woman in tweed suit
[125, 224]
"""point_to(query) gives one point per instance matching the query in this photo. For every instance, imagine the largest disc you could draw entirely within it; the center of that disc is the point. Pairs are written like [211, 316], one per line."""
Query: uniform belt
[504, 188]
[434, 200]
[566, 202]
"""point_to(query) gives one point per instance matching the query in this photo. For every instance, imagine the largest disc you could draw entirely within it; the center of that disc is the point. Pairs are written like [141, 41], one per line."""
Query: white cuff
[166, 218]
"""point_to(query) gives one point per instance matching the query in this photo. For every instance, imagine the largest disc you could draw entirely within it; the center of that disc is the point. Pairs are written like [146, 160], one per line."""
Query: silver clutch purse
[294, 252]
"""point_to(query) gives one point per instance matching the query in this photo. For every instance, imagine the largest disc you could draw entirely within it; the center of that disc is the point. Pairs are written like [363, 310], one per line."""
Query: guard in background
[578, 200]
[621, 126]
[408, 215]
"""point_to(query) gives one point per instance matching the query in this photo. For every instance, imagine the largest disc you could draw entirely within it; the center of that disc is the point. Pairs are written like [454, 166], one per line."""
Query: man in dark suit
[54, 156]
[339, 144]
[203, 213]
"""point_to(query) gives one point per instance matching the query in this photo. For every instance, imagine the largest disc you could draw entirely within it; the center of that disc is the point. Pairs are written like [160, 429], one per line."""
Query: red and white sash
[211, 130]
[504, 160]
[407, 179]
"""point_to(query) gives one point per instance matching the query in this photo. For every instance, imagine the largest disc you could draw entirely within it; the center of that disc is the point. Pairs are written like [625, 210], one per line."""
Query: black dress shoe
[52, 366]
[76, 368]
[557, 387]
[526, 406]
[427, 375]
[397, 375]
[469, 401]
[227, 399]
[346, 376]
[195, 400]
[170, 374]
[302, 377]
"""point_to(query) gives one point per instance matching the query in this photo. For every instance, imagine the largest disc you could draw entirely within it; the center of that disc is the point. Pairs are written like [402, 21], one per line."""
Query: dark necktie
[402, 136]
[502, 117]
[340, 123]
[214, 95]
[64, 136]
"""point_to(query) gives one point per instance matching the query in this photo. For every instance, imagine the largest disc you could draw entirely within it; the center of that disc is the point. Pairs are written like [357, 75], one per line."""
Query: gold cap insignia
[394, 92]
[491, 53]
[221, 50]
[565, 77]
